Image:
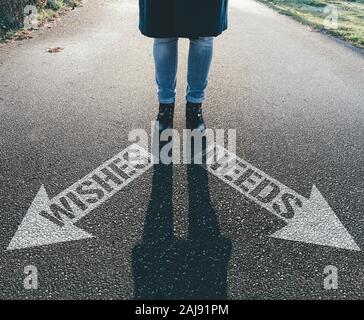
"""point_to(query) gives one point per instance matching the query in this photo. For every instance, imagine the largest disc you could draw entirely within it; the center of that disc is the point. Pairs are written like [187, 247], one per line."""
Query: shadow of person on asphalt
[167, 268]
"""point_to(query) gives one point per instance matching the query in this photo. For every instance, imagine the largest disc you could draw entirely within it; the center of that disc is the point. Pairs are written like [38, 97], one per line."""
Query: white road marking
[309, 220]
[50, 221]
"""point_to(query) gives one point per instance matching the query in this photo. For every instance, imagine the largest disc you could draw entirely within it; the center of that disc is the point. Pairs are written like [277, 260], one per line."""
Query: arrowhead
[36, 230]
[317, 223]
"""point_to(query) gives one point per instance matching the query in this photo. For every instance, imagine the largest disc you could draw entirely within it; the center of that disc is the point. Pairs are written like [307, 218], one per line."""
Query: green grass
[54, 8]
[350, 26]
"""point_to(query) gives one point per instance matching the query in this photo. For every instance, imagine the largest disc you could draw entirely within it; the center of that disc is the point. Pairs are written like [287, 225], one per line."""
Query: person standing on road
[168, 20]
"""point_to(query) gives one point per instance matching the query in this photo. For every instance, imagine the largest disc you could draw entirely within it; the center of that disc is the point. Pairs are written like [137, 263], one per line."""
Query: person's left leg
[199, 62]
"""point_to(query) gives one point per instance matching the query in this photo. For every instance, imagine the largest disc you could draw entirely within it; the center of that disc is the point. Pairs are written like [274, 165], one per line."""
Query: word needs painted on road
[309, 220]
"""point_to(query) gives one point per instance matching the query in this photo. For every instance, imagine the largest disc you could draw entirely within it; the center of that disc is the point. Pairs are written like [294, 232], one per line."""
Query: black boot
[194, 119]
[165, 116]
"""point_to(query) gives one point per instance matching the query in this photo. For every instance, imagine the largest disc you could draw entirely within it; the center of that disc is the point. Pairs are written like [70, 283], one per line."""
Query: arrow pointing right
[317, 223]
[308, 220]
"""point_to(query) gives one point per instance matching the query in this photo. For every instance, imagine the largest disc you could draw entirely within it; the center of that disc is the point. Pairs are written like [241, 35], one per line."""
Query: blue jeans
[166, 61]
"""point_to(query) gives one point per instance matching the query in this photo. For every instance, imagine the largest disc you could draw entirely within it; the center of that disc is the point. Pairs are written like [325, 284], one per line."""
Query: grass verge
[343, 19]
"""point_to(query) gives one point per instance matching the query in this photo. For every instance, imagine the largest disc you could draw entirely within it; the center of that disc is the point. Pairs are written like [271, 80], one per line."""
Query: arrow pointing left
[50, 221]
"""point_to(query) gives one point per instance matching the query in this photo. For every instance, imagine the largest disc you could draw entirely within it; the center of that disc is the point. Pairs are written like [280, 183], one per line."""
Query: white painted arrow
[312, 220]
[36, 230]
[42, 225]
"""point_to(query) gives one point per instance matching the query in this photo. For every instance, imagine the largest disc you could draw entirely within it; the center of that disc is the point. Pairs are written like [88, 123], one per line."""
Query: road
[296, 99]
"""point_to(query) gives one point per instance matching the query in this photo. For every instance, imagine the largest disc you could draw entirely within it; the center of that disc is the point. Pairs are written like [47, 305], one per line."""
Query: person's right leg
[165, 52]
[166, 61]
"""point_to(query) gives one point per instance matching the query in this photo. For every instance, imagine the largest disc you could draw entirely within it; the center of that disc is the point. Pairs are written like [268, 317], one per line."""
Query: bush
[55, 4]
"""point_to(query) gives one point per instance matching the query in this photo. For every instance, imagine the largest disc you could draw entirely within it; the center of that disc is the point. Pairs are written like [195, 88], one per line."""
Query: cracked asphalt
[296, 99]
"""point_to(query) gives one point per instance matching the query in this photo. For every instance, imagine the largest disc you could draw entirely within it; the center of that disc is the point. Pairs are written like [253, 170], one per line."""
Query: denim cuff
[195, 100]
[167, 101]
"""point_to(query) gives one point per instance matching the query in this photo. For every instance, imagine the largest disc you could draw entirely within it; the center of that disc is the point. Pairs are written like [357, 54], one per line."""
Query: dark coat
[183, 18]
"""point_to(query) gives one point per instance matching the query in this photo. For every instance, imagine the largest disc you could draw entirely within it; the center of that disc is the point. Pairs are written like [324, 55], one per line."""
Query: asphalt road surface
[296, 99]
